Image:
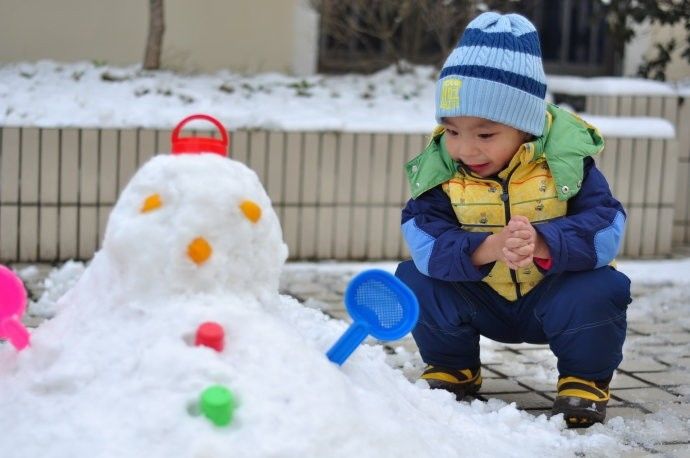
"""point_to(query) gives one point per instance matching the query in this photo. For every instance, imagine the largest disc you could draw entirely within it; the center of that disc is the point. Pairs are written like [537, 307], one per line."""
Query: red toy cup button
[210, 335]
[196, 145]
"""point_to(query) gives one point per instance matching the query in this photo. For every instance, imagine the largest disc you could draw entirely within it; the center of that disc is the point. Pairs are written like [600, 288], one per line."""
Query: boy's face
[484, 146]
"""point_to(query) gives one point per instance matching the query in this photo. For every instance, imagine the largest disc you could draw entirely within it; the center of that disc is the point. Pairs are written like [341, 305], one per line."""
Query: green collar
[566, 141]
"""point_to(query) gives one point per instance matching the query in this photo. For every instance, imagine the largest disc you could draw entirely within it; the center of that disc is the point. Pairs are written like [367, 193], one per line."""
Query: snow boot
[460, 382]
[582, 402]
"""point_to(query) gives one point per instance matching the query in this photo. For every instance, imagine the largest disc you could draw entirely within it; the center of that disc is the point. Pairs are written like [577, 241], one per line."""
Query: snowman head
[195, 223]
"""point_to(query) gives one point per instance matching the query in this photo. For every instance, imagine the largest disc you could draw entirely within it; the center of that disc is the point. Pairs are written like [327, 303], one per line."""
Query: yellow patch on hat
[450, 94]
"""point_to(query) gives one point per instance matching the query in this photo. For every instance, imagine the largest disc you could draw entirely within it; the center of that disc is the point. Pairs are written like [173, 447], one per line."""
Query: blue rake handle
[348, 342]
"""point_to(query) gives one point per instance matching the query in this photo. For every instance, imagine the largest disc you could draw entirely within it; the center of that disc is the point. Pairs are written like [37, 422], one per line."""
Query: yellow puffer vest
[485, 205]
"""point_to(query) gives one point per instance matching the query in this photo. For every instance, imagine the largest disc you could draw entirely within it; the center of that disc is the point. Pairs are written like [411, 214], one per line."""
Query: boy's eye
[452, 132]
[486, 136]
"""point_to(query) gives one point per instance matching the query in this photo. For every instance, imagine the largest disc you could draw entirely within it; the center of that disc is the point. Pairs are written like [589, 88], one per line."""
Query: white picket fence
[338, 195]
[676, 109]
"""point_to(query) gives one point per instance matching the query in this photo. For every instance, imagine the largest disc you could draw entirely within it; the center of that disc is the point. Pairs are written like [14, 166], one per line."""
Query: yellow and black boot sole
[461, 382]
[581, 402]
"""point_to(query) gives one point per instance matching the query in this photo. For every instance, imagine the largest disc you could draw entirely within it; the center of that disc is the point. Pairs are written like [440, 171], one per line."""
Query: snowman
[192, 247]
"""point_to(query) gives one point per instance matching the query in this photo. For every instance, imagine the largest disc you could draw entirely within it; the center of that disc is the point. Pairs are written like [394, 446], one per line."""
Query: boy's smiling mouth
[477, 167]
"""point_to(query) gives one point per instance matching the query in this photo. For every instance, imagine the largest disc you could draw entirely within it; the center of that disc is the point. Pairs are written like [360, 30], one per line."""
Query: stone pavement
[650, 390]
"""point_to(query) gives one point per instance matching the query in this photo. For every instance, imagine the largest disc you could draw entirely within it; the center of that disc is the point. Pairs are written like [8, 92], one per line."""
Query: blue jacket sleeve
[439, 247]
[590, 234]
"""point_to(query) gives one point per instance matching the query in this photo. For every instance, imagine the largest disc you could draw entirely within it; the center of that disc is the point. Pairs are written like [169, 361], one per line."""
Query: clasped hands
[517, 244]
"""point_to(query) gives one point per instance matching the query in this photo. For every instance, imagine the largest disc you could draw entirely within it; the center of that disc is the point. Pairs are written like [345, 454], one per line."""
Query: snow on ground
[369, 371]
[51, 94]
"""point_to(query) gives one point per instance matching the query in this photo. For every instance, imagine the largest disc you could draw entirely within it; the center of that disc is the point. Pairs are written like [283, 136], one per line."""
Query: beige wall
[643, 45]
[678, 68]
[201, 35]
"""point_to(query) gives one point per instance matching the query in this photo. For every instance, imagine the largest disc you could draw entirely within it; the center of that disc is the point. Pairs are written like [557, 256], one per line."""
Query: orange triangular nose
[199, 250]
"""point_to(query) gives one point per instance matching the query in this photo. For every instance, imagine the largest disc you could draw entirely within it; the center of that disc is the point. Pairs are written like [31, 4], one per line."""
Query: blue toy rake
[380, 305]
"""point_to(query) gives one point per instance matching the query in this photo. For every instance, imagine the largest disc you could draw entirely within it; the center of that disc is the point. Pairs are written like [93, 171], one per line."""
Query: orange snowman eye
[151, 203]
[251, 210]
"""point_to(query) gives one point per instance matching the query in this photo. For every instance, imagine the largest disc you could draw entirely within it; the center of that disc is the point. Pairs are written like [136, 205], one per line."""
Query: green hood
[566, 141]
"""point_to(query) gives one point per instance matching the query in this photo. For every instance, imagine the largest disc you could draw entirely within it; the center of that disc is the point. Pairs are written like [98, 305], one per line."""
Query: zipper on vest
[505, 197]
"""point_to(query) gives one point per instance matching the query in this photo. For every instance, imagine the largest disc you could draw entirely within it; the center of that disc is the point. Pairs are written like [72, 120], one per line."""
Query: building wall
[201, 35]
[643, 45]
[678, 68]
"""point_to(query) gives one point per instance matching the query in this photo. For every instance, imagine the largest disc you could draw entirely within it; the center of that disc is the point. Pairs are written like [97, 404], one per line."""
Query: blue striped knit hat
[495, 73]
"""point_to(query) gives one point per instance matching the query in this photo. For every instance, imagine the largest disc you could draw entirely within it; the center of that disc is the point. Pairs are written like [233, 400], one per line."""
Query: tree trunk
[154, 44]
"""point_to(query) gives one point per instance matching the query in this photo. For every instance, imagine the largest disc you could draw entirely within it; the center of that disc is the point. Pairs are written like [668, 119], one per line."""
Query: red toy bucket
[191, 145]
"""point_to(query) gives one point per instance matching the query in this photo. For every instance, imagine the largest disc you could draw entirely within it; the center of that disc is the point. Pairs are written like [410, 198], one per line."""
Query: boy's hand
[505, 245]
[516, 244]
[518, 249]
[522, 243]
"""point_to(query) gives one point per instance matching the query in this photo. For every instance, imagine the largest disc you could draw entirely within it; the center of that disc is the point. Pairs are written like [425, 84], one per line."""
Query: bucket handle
[198, 144]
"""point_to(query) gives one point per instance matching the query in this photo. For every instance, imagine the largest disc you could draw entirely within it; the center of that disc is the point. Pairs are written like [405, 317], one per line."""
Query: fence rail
[338, 195]
[675, 109]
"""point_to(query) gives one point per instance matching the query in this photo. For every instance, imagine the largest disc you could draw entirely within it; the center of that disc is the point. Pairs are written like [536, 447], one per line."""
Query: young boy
[512, 227]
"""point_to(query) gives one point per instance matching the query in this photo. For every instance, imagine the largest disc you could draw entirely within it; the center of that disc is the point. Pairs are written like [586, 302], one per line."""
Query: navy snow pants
[581, 315]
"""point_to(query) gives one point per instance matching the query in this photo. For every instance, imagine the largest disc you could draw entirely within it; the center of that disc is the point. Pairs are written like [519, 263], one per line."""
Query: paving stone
[528, 400]
[488, 373]
[635, 453]
[676, 357]
[308, 289]
[408, 344]
[613, 402]
[656, 340]
[666, 378]
[678, 337]
[645, 395]
[497, 385]
[660, 328]
[683, 362]
[681, 410]
[634, 363]
[525, 346]
[659, 352]
[625, 412]
[674, 450]
[621, 380]
[511, 369]
[541, 356]
[492, 356]
[539, 385]
[340, 315]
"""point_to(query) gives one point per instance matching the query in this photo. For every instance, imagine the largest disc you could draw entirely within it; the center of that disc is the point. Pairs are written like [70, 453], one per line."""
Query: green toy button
[218, 405]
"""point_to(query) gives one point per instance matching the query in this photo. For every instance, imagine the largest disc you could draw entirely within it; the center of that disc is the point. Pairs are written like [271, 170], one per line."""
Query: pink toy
[12, 304]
